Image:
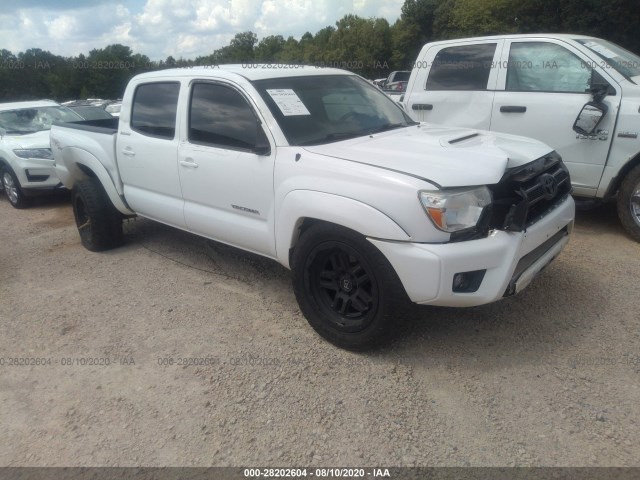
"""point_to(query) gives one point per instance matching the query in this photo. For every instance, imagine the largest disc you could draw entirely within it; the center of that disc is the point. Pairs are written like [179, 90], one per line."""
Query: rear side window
[219, 116]
[466, 67]
[154, 109]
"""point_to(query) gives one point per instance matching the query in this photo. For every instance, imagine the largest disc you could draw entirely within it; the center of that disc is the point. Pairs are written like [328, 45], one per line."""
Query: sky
[159, 28]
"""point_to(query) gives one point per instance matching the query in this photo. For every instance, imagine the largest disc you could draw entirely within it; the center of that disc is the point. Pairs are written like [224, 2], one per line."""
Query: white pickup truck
[320, 171]
[581, 95]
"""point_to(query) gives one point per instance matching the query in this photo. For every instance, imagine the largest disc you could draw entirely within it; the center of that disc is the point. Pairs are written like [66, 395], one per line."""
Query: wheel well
[86, 170]
[302, 226]
[617, 181]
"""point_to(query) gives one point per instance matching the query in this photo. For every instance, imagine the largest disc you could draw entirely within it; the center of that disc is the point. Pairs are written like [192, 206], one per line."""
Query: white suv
[26, 163]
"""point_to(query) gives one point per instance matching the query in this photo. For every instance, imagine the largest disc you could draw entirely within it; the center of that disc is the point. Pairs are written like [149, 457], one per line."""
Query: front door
[227, 187]
[541, 92]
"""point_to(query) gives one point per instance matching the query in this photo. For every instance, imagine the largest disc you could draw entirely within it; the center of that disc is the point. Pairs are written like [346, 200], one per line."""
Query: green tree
[359, 44]
[109, 70]
[269, 47]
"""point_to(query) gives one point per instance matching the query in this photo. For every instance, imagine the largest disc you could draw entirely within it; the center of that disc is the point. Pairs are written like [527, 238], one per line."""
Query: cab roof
[559, 36]
[249, 71]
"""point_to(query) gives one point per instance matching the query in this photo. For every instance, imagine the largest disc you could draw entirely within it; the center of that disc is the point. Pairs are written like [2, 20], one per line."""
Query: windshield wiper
[333, 136]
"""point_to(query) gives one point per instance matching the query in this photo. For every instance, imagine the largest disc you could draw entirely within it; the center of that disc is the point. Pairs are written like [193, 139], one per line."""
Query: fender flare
[299, 205]
[79, 161]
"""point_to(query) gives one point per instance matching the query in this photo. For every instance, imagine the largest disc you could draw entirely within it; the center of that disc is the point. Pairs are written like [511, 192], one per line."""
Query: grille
[526, 194]
[522, 197]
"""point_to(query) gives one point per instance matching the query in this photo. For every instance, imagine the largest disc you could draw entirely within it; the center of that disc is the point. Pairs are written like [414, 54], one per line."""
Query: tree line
[368, 46]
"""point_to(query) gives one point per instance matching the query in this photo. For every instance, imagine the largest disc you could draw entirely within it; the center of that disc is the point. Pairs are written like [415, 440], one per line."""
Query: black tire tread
[626, 190]
[105, 231]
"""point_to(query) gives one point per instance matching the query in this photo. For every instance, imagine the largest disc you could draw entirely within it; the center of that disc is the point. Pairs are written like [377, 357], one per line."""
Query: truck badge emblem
[549, 185]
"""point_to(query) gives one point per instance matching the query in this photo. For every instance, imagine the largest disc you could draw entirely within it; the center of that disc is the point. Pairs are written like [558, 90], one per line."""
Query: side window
[466, 67]
[154, 109]
[219, 116]
[545, 67]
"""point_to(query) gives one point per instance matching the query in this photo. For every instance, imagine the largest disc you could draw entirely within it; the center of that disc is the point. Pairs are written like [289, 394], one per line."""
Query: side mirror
[589, 118]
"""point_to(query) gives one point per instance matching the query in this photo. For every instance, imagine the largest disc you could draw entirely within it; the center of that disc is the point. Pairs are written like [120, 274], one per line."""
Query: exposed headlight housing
[44, 153]
[455, 209]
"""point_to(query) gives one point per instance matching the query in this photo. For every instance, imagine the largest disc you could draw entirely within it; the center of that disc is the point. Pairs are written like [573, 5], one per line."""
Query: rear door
[455, 84]
[541, 89]
[147, 149]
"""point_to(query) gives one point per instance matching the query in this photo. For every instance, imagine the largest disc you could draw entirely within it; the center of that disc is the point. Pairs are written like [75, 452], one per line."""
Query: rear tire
[12, 189]
[629, 203]
[99, 222]
[345, 287]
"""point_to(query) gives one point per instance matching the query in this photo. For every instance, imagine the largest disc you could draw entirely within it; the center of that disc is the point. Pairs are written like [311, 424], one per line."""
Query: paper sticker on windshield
[288, 102]
[601, 49]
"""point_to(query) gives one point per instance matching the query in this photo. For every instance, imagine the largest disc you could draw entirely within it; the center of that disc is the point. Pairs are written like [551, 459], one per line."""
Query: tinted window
[154, 109]
[220, 116]
[465, 67]
[546, 67]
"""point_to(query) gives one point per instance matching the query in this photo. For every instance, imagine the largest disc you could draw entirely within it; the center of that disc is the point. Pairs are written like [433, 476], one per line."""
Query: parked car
[26, 163]
[578, 94]
[320, 171]
[396, 87]
[395, 77]
[114, 108]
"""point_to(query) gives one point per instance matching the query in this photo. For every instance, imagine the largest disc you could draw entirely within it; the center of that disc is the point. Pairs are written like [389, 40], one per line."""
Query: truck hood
[31, 140]
[445, 156]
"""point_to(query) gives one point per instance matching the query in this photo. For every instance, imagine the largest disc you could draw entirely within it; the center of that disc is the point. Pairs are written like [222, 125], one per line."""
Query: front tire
[12, 189]
[99, 222]
[345, 287]
[629, 203]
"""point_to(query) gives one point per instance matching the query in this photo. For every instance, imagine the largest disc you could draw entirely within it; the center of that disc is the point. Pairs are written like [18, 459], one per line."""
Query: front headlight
[456, 209]
[44, 153]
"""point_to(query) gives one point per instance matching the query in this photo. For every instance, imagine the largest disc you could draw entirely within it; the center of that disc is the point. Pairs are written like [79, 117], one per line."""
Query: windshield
[314, 110]
[625, 62]
[30, 120]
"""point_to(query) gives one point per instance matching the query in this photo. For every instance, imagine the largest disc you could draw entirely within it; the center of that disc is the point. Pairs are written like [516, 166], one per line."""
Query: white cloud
[159, 28]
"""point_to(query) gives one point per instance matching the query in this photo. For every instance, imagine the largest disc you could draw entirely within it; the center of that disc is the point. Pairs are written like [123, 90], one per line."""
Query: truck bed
[91, 140]
[108, 126]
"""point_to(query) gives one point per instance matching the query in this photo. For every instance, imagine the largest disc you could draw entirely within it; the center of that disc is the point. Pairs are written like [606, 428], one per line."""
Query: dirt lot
[550, 377]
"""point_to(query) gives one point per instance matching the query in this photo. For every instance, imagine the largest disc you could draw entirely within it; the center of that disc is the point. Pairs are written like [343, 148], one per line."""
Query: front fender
[77, 164]
[299, 205]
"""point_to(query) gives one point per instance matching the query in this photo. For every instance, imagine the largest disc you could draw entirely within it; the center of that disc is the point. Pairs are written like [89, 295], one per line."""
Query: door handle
[421, 106]
[189, 163]
[513, 109]
[128, 153]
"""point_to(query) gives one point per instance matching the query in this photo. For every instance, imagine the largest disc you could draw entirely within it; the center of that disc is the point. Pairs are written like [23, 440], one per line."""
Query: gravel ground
[546, 378]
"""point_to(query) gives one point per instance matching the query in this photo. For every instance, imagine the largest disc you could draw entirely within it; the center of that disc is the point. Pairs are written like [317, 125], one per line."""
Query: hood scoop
[463, 138]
